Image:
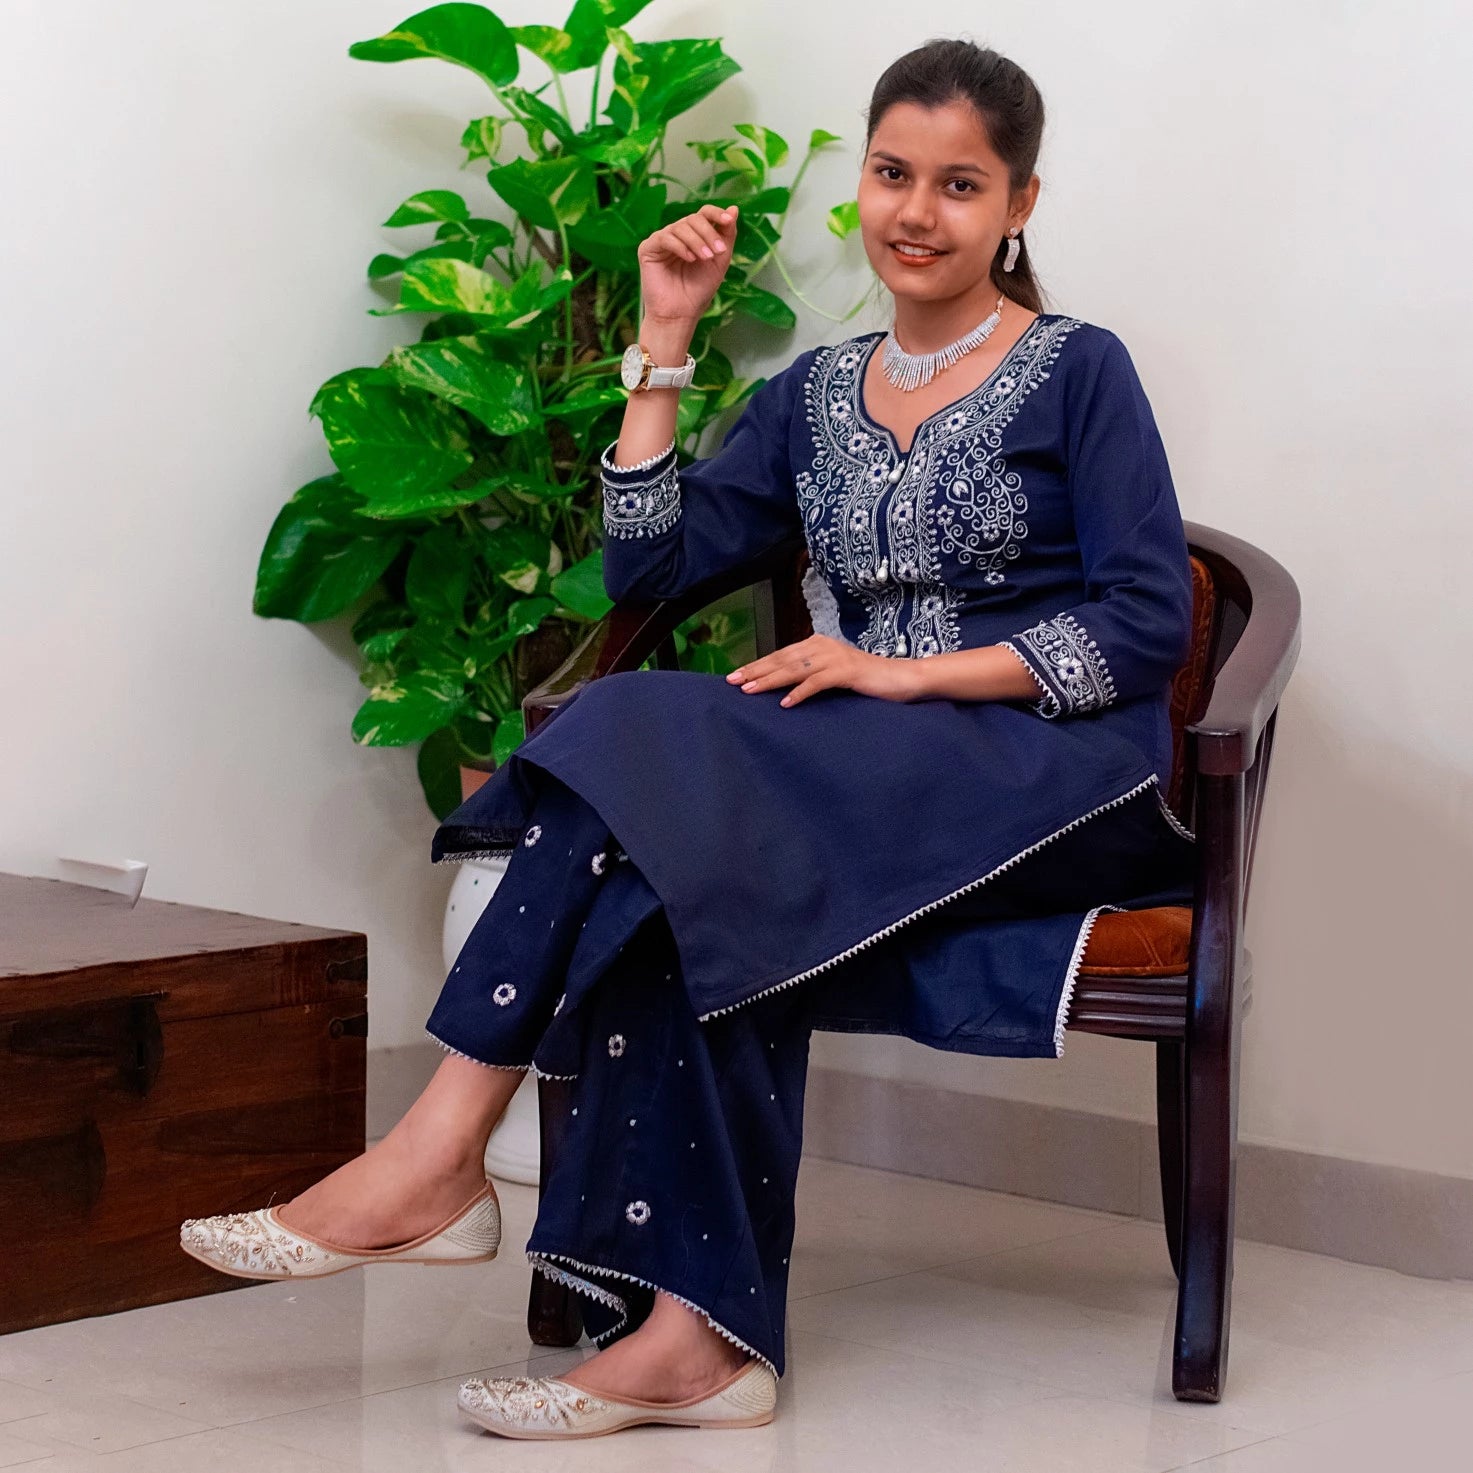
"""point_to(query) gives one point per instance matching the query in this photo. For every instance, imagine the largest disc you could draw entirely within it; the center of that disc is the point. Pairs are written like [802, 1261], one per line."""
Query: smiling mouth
[914, 255]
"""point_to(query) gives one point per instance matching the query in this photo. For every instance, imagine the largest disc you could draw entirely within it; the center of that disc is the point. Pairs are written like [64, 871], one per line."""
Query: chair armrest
[630, 633]
[1247, 688]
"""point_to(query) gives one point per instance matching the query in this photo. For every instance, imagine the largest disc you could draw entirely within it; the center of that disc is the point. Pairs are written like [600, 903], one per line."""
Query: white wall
[1266, 203]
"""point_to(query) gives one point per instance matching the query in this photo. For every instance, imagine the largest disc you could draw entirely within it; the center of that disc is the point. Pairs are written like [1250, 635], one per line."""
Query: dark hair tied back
[1011, 109]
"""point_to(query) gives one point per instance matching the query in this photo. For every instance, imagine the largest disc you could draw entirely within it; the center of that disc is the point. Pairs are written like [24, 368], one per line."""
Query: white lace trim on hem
[1152, 781]
[1061, 1021]
[1047, 705]
[520, 1068]
[1172, 819]
[543, 1262]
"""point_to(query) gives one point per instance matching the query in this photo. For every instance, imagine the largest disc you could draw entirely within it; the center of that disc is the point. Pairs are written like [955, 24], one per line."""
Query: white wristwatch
[639, 371]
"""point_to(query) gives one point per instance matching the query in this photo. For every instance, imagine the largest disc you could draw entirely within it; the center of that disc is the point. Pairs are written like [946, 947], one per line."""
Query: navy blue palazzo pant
[679, 1165]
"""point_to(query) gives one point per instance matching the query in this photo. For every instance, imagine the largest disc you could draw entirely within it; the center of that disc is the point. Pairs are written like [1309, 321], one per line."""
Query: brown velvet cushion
[1139, 943]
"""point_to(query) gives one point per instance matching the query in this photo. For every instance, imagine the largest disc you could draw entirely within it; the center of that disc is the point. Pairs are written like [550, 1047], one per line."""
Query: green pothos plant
[461, 528]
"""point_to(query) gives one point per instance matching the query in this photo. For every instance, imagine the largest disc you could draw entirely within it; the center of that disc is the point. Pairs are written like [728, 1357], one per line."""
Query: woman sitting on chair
[905, 823]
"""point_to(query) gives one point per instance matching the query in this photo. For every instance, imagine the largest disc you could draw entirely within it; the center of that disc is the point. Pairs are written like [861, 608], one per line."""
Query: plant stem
[567, 301]
[792, 287]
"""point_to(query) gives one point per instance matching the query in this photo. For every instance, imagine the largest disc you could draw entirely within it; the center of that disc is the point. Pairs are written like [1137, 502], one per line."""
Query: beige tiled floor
[930, 1325]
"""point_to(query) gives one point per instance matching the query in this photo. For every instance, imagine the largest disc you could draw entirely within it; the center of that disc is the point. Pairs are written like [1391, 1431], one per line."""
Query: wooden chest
[159, 1062]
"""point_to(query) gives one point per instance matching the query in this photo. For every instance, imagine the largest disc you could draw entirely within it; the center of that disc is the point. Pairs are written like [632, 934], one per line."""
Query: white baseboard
[1418, 1222]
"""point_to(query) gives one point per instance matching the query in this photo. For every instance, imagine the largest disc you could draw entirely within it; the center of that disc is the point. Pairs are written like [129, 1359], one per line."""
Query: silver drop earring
[1014, 246]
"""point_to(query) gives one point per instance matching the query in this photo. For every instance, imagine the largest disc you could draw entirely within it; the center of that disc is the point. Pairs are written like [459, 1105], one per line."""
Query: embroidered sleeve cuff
[1067, 666]
[643, 499]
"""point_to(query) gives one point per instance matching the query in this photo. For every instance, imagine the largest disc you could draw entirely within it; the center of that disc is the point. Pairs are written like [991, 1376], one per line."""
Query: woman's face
[931, 178]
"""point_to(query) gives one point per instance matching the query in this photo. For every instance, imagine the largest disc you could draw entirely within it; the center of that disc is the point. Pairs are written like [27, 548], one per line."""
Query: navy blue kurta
[842, 836]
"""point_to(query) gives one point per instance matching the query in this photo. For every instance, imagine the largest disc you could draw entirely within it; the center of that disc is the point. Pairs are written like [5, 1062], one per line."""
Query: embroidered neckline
[869, 352]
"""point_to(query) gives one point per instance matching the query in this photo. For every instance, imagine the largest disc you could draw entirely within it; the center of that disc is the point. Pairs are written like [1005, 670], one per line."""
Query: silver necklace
[912, 370]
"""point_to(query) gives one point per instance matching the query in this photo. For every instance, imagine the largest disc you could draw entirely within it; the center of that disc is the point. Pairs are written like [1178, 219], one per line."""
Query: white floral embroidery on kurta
[504, 994]
[616, 1045]
[640, 502]
[638, 1213]
[533, 834]
[956, 505]
[1073, 666]
[598, 862]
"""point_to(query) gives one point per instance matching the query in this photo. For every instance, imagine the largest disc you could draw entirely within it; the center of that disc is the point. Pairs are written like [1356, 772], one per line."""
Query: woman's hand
[821, 662]
[682, 264]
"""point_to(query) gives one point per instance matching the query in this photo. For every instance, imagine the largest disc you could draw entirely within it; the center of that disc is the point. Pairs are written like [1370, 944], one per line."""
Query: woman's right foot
[399, 1189]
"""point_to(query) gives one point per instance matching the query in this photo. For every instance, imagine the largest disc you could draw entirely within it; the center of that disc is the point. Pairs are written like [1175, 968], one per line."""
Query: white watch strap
[669, 378]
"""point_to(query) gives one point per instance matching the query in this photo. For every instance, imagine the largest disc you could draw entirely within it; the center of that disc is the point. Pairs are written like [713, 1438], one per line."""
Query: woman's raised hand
[682, 264]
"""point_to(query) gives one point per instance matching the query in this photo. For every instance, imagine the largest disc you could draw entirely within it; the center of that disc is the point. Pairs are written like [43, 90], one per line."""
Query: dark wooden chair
[1177, 975]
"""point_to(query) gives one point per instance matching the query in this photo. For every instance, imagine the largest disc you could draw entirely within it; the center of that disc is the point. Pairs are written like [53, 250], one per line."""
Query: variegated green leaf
[540, 118]
[430, 204]
[465, 35]
[438, 765]
[688, 411]
[610, 237]
[408, 709]
[546, 191]
[773, 146]
[665, 78]
[588, 26]
[438, 577]
[511, 732]
[402, 505]
[585, 403]
[386, 439]
[615, 148]
[526, 614]
[772, 201]
[843, 219]
[463, 372]
[482, 138]
[765, 306]
[581, 587]
[554, 45]
[488, 234]
[320, 556]
[444, 285]
[520, 556]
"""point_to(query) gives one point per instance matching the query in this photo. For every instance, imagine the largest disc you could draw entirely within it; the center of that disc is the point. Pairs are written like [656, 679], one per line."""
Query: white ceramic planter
[514, 1151]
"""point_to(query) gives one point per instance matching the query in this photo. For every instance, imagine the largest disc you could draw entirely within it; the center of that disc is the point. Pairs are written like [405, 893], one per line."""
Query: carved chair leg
[553, 1314]
[1204, 1293]
[1170, 1125]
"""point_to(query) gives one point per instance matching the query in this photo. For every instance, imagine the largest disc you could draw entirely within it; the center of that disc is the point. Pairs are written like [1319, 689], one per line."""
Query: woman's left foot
[659, 1367]
[546, 1407]
[674, 1368]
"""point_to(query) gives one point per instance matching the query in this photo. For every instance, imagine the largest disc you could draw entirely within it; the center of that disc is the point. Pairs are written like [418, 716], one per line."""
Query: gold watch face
[631, 369]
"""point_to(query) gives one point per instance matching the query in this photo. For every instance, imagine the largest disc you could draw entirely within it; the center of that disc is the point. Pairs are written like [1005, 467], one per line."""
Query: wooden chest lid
[49, 926]
[63, 944]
